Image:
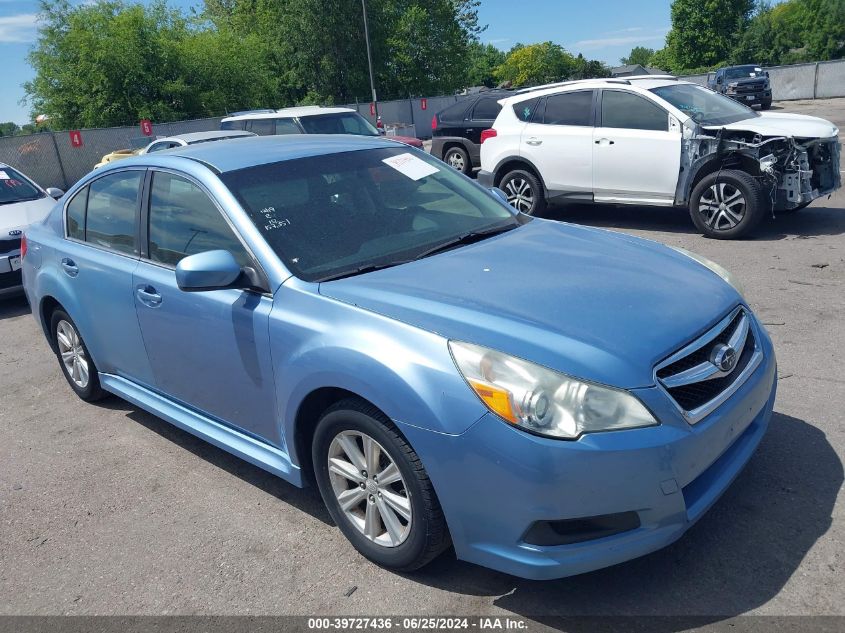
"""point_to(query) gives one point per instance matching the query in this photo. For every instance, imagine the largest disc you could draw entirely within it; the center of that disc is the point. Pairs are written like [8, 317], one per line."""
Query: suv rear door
[636, 150]
[558, 141]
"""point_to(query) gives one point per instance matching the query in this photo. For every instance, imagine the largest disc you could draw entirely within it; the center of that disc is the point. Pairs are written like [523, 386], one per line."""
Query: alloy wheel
[722, 206]
[72, 354]
[520, 195]
[369, 488]
[455, 160]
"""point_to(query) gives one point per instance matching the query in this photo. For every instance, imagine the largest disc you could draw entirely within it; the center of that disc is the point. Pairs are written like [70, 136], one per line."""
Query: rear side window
[486, 110]
[111, 219]
[262, 127]
[454, 112]
[232, 125]
[287, 126]
[184, 221]
[161, 146]
[76, 215]
[525, 109]
[633, 112]
[569, 108]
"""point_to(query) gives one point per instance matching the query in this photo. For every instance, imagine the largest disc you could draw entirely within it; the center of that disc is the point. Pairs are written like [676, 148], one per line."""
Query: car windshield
[741, 72]
[15, 188]
[338, 123]
[704, 106]
[343, 214]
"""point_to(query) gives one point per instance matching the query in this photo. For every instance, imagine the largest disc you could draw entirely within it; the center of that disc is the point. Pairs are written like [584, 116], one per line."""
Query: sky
[602, 29]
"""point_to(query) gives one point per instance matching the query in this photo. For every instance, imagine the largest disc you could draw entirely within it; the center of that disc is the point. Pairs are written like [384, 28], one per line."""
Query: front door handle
[70, 267]
[148, 296]
[534, 141]
[604, 141]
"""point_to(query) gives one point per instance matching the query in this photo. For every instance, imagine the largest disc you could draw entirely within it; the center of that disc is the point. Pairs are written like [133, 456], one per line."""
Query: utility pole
[370, 58]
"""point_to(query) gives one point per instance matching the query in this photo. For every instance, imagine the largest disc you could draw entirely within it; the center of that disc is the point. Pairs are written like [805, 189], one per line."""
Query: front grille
[692, 377]
[755, 87]
[14, 244]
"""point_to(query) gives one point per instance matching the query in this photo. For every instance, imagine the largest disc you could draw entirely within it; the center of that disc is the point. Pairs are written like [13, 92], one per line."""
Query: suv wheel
[78, 368]
[524, 191]
[727, 204]
[376, 488]
[458, 159]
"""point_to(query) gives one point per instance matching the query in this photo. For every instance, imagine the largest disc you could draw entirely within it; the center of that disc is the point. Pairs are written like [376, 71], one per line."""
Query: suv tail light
[485, 134]
[434, 122]
[23, 246]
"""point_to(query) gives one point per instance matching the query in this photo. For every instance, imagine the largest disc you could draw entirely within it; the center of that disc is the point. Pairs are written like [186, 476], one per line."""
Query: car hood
[19, 215]
[784, 124]
[595, 304]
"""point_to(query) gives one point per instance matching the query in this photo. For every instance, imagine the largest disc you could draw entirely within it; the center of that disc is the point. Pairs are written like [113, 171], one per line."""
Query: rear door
[210, 349]
[636, 150]
[96, 261]
[558, 141]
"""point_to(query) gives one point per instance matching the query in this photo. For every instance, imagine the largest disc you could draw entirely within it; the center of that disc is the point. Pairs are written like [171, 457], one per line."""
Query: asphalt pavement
[106, 509]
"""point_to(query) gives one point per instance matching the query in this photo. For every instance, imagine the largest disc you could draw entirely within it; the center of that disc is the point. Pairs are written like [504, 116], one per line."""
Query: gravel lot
[108, 510]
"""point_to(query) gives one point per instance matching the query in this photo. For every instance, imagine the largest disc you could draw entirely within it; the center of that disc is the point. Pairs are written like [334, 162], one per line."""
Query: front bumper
[495, 482]
[751, 98]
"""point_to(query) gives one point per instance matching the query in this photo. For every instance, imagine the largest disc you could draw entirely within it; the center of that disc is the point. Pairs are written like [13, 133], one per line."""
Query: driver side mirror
[212, 270]
[54, 192]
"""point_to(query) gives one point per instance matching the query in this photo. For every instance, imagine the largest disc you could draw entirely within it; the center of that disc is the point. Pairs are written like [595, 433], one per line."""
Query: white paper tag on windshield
[4, 175]
[411, 166]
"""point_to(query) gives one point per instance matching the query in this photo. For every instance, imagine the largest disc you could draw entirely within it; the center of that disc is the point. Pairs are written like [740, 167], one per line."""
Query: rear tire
[727, 204]
[376, 488]
[524, 191]
[458, 159]
[76, 363]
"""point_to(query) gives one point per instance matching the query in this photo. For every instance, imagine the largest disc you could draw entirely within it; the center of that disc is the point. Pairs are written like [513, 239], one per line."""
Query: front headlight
[716, 268]
[544, 401]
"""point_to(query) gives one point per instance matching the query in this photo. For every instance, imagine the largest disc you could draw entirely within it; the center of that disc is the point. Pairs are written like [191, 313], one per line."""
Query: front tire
[77, 365]
[524, 191]
[458, 159]
[765, 105]
[376, 488]
[727, 204]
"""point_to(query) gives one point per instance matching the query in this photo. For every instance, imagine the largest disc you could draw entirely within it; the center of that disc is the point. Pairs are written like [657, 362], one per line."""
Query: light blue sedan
[550, 399]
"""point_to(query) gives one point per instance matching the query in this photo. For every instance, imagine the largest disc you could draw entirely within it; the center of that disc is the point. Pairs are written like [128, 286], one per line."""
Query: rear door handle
[534, 141]
[148, 296]
[70, 267]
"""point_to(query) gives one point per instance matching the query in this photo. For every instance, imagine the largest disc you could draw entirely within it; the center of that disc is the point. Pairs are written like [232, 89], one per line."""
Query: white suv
[658, 141]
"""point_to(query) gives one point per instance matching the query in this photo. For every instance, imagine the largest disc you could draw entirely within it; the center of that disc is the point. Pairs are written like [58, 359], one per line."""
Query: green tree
[588, 69]
[483, 59]
[9, 129]
[536, 64]
[639, 55]
[705, 32]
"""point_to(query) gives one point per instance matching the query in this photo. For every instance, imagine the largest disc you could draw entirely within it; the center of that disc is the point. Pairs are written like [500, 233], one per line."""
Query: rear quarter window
[524, 110]
[454, 112]
[486, 110]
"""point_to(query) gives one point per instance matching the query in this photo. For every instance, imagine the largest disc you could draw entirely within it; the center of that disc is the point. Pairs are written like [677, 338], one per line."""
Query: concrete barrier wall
[830, 80]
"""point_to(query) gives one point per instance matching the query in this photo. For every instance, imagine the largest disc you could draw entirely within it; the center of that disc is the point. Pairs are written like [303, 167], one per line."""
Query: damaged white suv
[658, 141]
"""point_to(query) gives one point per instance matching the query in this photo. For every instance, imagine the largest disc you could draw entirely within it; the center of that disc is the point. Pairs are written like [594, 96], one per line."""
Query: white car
[22, 202]
[656, 140]
[192, 138]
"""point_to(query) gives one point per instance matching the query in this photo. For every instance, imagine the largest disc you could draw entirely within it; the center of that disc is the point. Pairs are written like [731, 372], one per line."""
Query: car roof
[299, 111]
[646, 82]
[261, 150]
[200, 137]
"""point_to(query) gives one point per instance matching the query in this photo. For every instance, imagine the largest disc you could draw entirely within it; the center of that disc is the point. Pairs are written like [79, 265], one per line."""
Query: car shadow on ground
[817, 220]
[735, 559]
[13, 306]
[307, 500]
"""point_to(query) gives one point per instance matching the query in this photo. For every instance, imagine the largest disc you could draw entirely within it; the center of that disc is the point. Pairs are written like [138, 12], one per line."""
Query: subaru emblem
[724, 357]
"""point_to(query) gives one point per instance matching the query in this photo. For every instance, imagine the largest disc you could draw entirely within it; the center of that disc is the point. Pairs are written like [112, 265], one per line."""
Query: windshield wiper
[360, 270]
[466, 238]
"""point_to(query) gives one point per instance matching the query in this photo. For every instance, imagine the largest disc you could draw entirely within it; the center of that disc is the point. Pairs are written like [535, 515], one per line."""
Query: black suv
[456, 131]
[748, 84]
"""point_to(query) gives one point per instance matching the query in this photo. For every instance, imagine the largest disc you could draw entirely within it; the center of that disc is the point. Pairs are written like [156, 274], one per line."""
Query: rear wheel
[524, 191]
[727, 204]
[76, 363]
[376, 488]
[457, 158]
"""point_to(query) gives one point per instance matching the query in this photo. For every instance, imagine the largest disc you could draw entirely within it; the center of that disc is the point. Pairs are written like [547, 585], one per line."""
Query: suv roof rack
[257, 111]
[670, 77]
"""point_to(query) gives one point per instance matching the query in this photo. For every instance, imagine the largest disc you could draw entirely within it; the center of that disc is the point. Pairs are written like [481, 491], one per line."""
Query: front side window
[486, 110]
[14, 187]
[262, 127]
[287, 126]
[703, 105]
[340, 123]
[633, 112]
[569, 108]
[184, 221]
[344, 213]
[111, 219]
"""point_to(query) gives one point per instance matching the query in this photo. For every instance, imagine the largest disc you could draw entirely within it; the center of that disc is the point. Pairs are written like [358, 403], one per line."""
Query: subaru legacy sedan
[549, 399]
